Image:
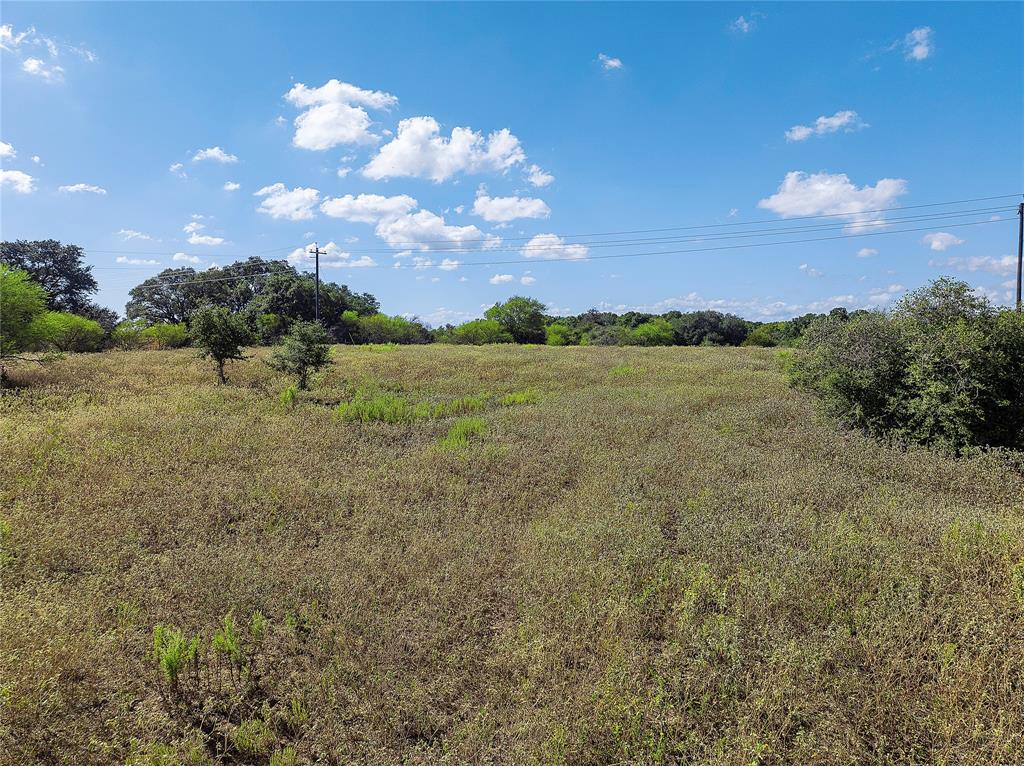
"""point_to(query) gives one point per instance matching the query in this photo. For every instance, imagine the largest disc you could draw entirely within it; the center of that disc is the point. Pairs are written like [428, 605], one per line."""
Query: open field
[646, 556]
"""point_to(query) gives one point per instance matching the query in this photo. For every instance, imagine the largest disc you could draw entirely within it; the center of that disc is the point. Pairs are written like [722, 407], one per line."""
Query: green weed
[519, 397]
[460, 432]
[172, 651]
[253, 737]
[289, 396]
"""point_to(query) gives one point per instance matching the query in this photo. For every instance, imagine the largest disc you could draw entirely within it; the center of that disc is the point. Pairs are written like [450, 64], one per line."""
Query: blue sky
[435, 137]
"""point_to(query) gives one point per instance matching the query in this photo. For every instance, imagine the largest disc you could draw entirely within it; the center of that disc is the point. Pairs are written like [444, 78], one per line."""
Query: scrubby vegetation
[944, 368]
[657, 556]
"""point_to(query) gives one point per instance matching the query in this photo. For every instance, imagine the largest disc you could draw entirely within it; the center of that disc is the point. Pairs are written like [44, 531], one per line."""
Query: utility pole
[1020, 248]
[316, 252]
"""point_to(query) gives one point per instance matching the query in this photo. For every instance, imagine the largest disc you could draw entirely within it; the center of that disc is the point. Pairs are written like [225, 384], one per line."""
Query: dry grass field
[643, 556]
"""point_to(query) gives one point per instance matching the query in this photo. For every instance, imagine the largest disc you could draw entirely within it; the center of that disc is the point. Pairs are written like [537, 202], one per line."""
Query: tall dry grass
[659, 556]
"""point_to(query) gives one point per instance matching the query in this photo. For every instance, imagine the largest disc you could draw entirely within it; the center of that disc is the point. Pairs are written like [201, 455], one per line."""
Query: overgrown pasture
[493, 555]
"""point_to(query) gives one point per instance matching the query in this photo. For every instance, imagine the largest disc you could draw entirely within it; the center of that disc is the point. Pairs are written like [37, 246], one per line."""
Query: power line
[399, 244]
[937, 218]
[520, 262]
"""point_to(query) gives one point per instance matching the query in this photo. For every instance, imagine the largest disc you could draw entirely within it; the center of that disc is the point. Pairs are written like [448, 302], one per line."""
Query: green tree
[61, 331]
[59, 269]
[303, 349]
[522, 318]
[21, 301]
[220, 336]
[171, 296]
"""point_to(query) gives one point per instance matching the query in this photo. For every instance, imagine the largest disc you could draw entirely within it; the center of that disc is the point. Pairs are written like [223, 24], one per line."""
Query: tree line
[269, 296]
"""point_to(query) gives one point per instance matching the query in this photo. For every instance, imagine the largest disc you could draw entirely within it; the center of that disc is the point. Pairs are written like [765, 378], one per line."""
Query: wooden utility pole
[1020, 248]
[316, 252]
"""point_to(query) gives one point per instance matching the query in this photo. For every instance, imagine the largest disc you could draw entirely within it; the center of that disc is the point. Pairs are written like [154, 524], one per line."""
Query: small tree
[165, 335]
[523, 318]
[220, 336]
[21, 301]
[304, 349]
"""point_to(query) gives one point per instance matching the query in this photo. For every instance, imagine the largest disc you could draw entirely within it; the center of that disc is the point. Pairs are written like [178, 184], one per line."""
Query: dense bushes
[61, 331]
[380, 328]
[944, 368]
[165, 335]
[478, 332]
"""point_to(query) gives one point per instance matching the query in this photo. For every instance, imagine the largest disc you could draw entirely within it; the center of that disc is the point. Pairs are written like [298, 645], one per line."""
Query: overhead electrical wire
[783, 230]
[537, 262]
[400, 244]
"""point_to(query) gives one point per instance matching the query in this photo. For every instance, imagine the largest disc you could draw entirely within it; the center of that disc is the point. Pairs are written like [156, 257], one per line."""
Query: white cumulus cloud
[801, 194]
[82, 188]
[527, 280]
[941, 240]
[188, 258]
[847, 120]
[214, 154]
[449, 264]
[232, 186]
[609, 62]
[128, 234]
[420, 151]
[331, 256]
[505, 209]
[22, 183]
[866, 252]
[368, 208]
[281, 202]
[6, 150]
[334, 114]
[501, 279]
[178, 169]
[551, 246]
[538, 177]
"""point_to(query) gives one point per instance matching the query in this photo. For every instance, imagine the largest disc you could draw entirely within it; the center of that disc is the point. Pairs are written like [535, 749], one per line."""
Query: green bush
[380, 328]
[270, 328]
[559, 334]
[60, 331]
[127, 335]
[944, 369]
[478, 332]
[165, 335]
[21, 302]
[303, 350]
[656, 332]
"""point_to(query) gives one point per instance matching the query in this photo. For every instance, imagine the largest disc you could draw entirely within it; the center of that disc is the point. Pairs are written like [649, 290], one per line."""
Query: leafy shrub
[606, 335]
[656, 332]
[60, 331]
[559, 334]
[303, 350]
[460, 432]
[944, 369]
[21, 302]
[127, 335]
[478, 332]
[380, 328]
[220, 335]
[165, 335]
[284, 757]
